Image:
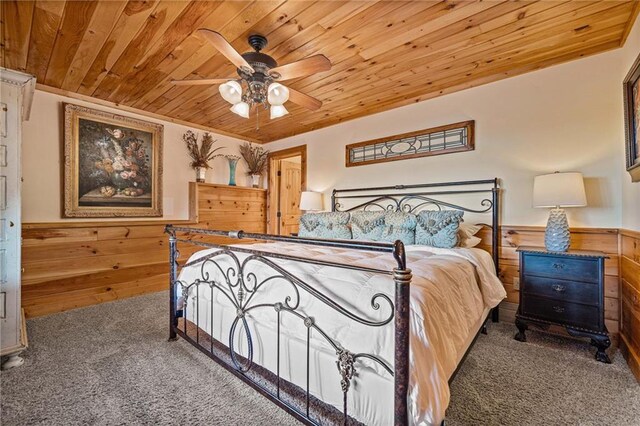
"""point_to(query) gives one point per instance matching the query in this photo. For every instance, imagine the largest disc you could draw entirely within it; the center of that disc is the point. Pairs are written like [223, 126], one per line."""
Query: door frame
[272, 200]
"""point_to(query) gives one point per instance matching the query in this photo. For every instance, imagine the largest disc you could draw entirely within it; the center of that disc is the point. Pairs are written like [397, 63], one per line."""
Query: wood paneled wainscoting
[630, 300]
[68, 265]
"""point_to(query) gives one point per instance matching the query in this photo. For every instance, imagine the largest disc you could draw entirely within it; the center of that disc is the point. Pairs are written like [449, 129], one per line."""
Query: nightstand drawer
[565, 267]
[571, 314]
[563, 290]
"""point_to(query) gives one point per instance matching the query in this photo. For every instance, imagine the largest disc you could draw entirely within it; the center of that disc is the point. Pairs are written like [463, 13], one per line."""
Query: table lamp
[558, 190]
[310, 201]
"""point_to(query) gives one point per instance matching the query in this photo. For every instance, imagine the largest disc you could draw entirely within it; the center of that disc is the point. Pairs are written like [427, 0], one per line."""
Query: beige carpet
[111, 365]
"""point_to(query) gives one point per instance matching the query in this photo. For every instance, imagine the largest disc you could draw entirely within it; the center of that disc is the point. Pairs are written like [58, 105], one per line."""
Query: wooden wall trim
[629, 232]
[108, 224]
[632, 357]
[69, 265]
[629, 249]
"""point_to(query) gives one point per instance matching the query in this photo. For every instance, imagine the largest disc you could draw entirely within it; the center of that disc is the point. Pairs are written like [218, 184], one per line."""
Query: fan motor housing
[259, 58]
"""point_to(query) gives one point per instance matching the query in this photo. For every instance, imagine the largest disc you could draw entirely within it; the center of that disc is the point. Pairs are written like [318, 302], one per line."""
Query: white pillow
[466, 235]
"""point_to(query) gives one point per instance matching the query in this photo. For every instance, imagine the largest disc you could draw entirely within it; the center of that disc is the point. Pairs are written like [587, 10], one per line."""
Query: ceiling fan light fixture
[277, 111]
[231, 92]
[241, 108]
[277, 94]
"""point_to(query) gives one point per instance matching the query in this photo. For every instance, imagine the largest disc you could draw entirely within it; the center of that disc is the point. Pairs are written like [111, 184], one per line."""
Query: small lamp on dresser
[558, 190]
[310, 201]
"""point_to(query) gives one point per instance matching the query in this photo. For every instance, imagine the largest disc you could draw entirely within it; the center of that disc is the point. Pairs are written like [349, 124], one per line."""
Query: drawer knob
[558, 288]
[558, 309]
[558, 265]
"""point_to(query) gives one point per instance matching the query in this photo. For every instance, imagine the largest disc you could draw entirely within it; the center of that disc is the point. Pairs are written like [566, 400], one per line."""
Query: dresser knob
[558, 288]
[558, 309]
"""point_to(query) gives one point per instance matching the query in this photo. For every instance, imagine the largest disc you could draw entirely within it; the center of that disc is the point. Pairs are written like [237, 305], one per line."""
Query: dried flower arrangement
[200, 155]
[255, 157]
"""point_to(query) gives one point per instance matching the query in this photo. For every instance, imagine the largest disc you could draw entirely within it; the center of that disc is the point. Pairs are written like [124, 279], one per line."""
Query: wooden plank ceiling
[384, 54]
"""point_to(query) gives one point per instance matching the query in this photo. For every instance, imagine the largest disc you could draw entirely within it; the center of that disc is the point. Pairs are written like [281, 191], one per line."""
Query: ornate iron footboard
[239, 285]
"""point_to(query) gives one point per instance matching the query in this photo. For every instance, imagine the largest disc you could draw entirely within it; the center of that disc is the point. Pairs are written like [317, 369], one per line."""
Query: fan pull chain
[257, 118]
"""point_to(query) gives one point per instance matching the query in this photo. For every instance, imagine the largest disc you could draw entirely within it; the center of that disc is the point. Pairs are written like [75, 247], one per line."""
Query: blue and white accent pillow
[399, 226]
[367, 226]
[327, 225]
[438, 228]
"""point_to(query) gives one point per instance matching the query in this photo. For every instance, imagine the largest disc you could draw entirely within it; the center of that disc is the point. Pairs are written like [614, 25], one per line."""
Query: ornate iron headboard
[412, 198]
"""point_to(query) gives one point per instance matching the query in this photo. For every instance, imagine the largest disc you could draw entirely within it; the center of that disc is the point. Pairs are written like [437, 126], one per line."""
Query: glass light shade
[277, 94]
[559, 190]
[231, 91]
[310, 201]
[276, 111]
[241, 108]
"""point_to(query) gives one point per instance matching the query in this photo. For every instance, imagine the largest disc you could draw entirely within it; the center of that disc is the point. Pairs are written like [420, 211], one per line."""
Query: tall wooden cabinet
[16, 93]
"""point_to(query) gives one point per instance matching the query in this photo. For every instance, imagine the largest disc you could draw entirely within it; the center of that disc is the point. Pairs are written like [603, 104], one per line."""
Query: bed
[342, 331]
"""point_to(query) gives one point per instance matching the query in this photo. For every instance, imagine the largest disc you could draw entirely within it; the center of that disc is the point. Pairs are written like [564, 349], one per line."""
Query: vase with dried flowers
[200, 154]
[256, 159]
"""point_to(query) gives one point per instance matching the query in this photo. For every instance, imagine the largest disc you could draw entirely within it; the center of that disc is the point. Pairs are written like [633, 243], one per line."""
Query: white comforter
[451, 290]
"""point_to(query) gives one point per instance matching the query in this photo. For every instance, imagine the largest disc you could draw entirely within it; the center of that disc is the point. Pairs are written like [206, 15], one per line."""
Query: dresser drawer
[549, 266]
[563, 290]
[568, 313]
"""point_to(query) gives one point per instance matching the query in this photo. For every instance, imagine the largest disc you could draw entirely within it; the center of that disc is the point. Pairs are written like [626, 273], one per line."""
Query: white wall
[565, 118]
[42, 162]
[630, 191]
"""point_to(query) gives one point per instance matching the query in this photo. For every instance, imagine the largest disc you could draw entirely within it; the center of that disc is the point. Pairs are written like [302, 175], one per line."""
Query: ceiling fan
[259, 77]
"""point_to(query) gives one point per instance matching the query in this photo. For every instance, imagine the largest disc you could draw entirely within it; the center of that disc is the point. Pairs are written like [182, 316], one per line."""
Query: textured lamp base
[556, 236]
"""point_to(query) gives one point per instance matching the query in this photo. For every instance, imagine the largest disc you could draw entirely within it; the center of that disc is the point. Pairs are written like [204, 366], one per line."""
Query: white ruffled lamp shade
[277, 111]
[231, 92]
[242, 109]
[558, 190]
[311, 201]
[277, 94]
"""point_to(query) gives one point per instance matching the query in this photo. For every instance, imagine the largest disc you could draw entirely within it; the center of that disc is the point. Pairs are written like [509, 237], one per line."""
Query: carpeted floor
[111, 365]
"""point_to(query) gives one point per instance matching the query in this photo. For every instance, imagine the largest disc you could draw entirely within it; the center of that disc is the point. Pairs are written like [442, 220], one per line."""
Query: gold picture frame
[112, 165]
[631, 96]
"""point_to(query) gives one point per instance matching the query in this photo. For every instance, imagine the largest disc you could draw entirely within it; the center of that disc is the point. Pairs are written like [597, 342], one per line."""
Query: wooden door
[289, 188]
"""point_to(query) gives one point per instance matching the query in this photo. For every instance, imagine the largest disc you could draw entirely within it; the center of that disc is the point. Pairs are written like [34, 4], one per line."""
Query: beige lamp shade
[559, 190]
[310, 201]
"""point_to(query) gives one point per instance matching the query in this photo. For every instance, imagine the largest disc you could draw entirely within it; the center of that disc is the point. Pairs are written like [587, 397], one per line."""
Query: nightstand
[565, 289]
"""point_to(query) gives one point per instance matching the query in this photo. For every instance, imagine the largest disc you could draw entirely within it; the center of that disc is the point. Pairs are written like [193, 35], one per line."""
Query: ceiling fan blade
[304, 100]
[200, 82]
[302, 68]
[224, 47]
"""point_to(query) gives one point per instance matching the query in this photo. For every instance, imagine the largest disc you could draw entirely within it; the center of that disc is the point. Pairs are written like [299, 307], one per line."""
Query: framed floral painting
[631, 88]
[113, 165]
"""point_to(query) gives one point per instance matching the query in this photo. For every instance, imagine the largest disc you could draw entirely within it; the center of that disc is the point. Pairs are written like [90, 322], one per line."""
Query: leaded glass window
[435, 141]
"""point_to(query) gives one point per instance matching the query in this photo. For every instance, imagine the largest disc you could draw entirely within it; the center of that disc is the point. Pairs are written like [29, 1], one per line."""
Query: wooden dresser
[564, 289]
[228, 208]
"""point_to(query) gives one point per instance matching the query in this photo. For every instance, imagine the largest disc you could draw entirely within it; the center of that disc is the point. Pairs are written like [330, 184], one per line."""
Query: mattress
[452, 291]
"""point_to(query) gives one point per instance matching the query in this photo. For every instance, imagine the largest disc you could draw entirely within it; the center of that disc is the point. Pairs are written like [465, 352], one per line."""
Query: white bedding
[451, 293]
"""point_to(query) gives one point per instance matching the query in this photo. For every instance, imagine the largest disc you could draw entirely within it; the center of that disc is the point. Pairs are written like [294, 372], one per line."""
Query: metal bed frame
[239, 284]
